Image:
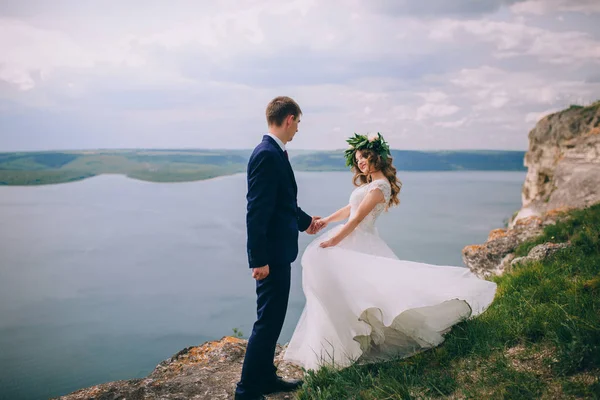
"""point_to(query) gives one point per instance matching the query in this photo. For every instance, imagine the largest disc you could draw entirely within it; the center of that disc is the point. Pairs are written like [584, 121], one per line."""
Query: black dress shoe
[246, 397]
[281, 385]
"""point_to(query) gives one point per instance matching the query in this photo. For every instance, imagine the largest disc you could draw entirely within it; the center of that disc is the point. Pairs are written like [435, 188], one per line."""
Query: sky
[427, 74]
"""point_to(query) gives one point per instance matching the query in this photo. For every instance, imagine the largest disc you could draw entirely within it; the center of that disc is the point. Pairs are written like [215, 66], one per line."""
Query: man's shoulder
[264, 149]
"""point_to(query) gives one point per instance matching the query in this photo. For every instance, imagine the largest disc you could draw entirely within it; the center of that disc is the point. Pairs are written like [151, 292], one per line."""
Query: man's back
[273, 220]
[272, 213]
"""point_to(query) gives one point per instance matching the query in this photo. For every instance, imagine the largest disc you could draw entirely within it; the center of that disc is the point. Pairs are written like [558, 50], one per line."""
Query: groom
[273, 220]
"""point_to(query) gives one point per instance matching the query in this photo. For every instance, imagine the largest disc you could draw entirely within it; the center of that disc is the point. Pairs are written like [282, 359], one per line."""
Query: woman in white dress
[363, 304]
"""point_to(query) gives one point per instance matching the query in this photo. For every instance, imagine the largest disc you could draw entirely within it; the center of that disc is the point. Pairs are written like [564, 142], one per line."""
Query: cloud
[528, 93]
[428, 74]
[434, 110]
[456, 8]
[452, 124]
[31, 54]
[434, 96]
[18, 77]
[534, 117]
[514, 39]
[540, 7]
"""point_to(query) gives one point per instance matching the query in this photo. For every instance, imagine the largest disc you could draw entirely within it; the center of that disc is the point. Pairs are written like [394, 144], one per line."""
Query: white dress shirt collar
[277, 140]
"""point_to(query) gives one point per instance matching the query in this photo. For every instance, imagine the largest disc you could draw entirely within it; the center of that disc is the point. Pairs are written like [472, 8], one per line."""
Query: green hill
[540, 338]
[35, 168]
[407, 160]
[179, 165]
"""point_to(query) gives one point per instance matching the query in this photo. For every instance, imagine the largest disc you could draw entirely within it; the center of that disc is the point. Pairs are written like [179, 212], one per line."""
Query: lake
[102, 279]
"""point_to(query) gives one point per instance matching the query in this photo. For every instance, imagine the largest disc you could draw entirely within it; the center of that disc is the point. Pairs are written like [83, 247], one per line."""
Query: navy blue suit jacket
[273, 217]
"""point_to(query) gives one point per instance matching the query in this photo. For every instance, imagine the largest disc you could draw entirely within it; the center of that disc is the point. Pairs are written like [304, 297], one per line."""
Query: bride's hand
[322, 223]
[329, 243]
[314, 226]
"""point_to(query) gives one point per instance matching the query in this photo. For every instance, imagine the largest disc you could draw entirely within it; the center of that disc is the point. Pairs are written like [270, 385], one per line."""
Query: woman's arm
[339, 215]
[372, 198]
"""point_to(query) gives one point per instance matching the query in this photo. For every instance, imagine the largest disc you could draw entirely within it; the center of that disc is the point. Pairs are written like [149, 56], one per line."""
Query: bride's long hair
[377, 163]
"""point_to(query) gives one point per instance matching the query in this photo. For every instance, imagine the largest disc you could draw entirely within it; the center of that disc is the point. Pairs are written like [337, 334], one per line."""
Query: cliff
[563, 173]
[209, 371]
[563, 162]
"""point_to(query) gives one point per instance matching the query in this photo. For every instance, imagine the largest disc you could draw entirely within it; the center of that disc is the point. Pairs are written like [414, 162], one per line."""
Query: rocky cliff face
[563, 164]
[209, 371]
[497, 253]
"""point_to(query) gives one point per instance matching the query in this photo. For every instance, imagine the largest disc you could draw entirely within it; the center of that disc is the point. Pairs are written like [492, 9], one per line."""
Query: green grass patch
[183, 173]
[59, 167]
[549, 311]
[45, 177]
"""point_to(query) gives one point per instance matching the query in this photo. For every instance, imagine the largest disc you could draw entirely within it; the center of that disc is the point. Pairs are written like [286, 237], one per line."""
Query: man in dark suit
[273, 221]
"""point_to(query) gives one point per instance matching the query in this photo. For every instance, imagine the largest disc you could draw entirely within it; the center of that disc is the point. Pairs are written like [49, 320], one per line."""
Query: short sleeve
[384, 186]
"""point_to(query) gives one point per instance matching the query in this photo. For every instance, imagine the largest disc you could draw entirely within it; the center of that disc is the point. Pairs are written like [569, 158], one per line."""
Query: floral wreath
[362, 142]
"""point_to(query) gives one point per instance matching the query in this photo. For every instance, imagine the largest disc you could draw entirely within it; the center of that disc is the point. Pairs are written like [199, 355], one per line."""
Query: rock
[495, 255]
[208, 371]
[563, 162]
[517, 260]
[540, 252]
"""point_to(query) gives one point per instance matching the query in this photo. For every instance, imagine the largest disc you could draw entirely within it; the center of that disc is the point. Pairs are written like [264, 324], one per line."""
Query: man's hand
[311, 230]
[322, 224]
[260, 273]
[315, 226]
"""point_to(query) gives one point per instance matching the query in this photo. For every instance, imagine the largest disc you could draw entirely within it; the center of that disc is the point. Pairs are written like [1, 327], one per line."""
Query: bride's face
[362, 162]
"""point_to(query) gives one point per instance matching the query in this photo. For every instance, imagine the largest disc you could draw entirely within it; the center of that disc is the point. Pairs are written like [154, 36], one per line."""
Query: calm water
[102, 279]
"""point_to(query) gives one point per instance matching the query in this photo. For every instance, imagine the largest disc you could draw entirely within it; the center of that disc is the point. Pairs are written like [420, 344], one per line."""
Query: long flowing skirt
[363, 304]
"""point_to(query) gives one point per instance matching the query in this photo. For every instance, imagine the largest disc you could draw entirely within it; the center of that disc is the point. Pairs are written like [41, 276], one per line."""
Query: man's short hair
[279, 108]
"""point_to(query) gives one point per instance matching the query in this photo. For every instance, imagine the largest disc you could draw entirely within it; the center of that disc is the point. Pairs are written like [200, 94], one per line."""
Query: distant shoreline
[125, 176]
[172, 166]
[225, 176]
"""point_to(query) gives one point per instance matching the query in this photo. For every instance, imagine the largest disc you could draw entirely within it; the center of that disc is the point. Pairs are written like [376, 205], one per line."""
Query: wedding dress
[363, 304]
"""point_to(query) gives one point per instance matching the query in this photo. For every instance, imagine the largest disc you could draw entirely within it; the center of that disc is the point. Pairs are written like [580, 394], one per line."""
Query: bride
[363, 304]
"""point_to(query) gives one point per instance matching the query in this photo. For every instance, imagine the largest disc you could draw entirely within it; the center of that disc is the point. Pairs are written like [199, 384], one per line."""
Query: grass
[22, 177]
[39, 168]
[539, 339]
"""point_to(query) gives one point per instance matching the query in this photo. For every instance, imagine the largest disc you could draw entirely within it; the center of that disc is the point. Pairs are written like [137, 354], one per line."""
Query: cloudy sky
[428, 74]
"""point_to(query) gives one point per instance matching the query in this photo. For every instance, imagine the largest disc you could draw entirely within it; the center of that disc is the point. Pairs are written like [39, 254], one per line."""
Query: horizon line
[226, 149]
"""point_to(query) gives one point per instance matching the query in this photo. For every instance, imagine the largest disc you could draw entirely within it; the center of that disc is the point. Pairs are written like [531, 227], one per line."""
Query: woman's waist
[360, 233]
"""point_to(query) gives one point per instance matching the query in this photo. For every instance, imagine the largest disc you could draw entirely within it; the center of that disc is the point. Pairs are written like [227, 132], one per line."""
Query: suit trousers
[272, 295]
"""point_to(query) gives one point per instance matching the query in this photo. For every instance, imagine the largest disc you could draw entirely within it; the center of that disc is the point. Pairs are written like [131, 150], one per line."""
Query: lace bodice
[359, 194]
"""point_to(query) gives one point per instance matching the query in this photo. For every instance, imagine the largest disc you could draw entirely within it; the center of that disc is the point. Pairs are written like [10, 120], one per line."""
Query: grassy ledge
[540, 338]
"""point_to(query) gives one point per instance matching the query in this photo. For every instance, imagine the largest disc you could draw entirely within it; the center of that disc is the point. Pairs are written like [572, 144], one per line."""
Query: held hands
[316, 225]
[260, 273]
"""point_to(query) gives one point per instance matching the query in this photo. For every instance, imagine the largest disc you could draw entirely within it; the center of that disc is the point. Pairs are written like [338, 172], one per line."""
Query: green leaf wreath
[362, 142]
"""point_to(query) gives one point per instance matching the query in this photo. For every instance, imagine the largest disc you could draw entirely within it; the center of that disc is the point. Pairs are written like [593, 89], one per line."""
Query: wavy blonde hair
[377, 163]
